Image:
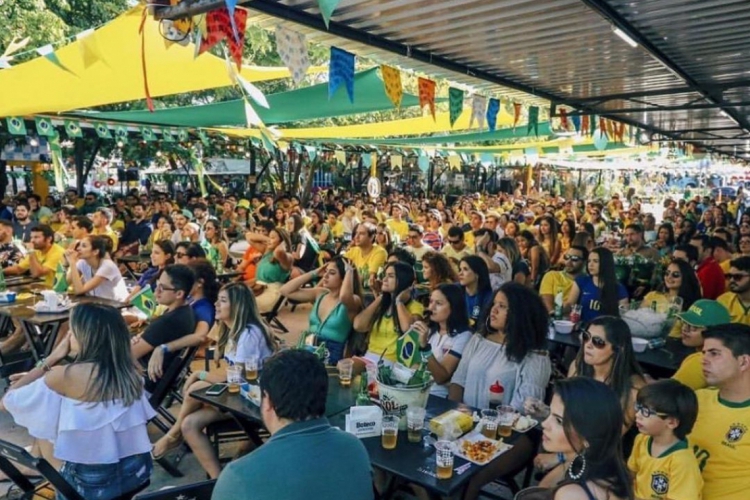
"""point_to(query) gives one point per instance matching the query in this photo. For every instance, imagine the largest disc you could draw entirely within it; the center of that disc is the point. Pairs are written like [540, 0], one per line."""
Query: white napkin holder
[364, 421]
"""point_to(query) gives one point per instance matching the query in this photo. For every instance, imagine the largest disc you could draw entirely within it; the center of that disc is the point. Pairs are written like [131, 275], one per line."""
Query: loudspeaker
[131, 174]
[121, 176]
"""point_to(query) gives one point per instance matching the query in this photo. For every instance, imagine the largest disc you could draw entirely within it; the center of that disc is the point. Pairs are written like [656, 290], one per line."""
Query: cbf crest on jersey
[660, 483]
[735, 432]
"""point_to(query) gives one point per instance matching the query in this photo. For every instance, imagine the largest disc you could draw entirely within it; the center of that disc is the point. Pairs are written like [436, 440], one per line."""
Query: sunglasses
[572, 258]
[736, 276]
[647, 412]
[180, 254]
[673, 274]
[598, 342]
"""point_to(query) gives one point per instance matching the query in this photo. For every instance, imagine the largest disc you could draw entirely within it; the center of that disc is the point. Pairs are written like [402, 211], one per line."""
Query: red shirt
[711, 278]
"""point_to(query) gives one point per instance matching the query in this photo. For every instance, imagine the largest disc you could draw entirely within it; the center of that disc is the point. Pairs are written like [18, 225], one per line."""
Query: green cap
[705, 313]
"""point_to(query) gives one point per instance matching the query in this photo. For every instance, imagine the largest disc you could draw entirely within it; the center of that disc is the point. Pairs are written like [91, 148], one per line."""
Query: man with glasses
[575, 263]
[720, 437]
[414, 243]
[456, 248]
[90, 204]
[701, 315]
[172, 290]
[737, 299]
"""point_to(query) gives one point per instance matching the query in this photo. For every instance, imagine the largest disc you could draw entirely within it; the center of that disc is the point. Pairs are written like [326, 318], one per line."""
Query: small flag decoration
[493, 108]
[392, 83]
[585, 125]
[407, 348]
[102, 130]
[16, 125]
[48, 52]
[167, 135]
[145, 302]
[60, 284]
[576, 119]
[121, 133]
[147, 133]
[427, 94]
[203, 137]
[292, 49]
[341, 71]
[73, 129]
[89, 47]
[326, 9]
[564, 118]
[533, 120]
[478, 107]
[44, 127]
[516, 113]
[219, 25]
[182, 135]
[455, 104]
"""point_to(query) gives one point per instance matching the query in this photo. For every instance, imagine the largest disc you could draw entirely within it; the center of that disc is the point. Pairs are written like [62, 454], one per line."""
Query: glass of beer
[389, 431]
[345, 367]
[444, 451]
[234, 378]
[489, 423]
[506, 418]
[415, 424]
[251, 369]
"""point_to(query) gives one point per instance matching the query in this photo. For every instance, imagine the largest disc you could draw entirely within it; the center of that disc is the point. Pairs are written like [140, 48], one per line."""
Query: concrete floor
[296, 322]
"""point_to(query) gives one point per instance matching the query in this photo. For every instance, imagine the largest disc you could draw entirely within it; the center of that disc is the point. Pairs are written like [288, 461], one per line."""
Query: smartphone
[216, 389]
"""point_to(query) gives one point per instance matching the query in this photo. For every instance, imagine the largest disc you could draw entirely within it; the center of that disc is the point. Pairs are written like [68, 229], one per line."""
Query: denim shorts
[107, 481]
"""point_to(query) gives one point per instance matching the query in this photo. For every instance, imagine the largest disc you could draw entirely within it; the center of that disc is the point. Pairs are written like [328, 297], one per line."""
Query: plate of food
[477, 449]
[524, 424]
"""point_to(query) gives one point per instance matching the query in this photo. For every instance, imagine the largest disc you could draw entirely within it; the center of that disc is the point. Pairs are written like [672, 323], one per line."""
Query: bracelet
[314, 273]
[42, 363]
[202, 375]
[560, 458]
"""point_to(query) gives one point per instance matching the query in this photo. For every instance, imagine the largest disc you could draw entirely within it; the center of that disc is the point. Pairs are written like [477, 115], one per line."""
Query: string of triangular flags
[89, 47]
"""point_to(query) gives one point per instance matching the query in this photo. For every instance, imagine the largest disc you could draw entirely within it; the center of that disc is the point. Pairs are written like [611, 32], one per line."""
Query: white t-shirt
[252, 343]
[506, 271]
[113, 287]
[442, 345]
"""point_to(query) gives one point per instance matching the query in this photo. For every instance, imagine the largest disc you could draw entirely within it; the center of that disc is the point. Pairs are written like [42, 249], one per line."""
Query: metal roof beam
[682, 107]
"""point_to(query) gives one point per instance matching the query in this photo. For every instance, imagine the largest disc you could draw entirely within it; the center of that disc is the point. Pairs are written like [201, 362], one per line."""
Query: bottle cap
[497, 387]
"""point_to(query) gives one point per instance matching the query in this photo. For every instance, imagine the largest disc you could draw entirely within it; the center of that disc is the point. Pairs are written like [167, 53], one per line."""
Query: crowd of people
[478, 278]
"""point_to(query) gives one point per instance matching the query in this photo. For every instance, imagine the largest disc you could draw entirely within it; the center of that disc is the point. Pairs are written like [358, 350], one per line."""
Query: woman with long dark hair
[549, 238]
[680, 281]
[598, 293]
[444, 336]
[567, 233]
[337, 299]
[92, 272]
[216, 238]
[241, 334]
[584, 426]
[535, 255]
[273, 268]
[509, 350]
[665, 240]
[390, 314]
[94, 410]
[474, 277]
[437, 269]
[162, 255]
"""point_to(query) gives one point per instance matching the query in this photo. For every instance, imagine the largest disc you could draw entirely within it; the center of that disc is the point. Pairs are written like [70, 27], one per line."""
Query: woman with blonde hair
[241, 334]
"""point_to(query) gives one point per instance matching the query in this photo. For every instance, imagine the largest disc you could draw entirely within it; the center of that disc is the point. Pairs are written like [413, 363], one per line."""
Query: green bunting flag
[533, 120]
[73, 129]
[326, 9]
[203, 137]
[167, 135]
[102, 130]
[182, 135]
[44, 127]
[407, 348]
[145, 302]
[16, 125]
[60, 284]
[147, 133]
[121, 132]
[456, 103]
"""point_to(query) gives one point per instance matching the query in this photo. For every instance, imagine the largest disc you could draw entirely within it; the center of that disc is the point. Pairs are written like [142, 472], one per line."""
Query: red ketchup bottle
[496, 394]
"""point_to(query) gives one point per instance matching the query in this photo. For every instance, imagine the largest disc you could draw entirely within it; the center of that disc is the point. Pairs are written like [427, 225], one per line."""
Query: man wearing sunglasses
[455, 247]
[701, 315]
[737, 299]
[575, 262]
[720, 437]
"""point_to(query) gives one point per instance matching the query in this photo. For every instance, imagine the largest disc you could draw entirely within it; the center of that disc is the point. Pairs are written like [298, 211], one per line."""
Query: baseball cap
[188, 214]
[243, 204]
[705, 313]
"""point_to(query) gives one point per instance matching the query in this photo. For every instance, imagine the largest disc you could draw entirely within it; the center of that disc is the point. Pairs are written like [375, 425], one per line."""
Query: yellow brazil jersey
[400, 228]
[338, 229]
[383, 335]
[690, 372]
[737, 310]
[553, 280]
[109, 233]
[369, 264]
[725, 269]
[49, 260]
[672, 475]
[721, 444]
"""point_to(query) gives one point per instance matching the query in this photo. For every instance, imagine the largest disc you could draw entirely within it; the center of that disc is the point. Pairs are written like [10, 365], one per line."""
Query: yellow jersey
[722, 446]
[111, 234]
[690, 372]
[369, 264]
[662, 305]
[383, 335]
[49, 260]
[737, 310]
[673, 475]
[337, 230]
[399, 228]
[553, 280]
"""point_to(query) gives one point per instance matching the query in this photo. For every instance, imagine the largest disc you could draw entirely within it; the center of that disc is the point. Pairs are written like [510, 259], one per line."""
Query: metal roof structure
[683, 73]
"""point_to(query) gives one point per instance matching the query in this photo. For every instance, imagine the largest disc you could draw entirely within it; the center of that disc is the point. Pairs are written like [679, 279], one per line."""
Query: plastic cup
[389, 431]
[251, 369]
[415, 424]
[444, 453]
[575, 313]
[234, 378]
[489, 423]
[345, 367]
[505, 419]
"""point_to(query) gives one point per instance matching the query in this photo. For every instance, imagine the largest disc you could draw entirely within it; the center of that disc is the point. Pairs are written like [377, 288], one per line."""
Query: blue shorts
[107, 481]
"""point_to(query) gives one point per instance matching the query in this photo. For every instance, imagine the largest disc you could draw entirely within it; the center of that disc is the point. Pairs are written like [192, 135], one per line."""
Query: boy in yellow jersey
[702, 314]
[662, 462]
[366, 256]
[720, 437]
[575, 261]
[397, 224]
[737, 299]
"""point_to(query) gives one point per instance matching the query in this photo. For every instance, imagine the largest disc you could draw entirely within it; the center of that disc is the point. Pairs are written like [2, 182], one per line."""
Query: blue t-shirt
[148, 278]
[475, 305]
[204, 311]
[590, 296]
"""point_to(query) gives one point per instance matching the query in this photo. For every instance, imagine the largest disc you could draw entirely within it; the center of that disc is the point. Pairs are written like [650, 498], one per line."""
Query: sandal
[172, 443]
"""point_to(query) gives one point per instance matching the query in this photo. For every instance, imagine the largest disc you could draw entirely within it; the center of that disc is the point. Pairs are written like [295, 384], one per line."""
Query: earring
[581, 458]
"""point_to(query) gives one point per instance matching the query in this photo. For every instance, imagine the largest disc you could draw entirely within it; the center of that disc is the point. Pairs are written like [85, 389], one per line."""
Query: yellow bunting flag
[427, 95]
[373, 164]
[392, 83]
[340, 157]
[454, 161]
[397, 161]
